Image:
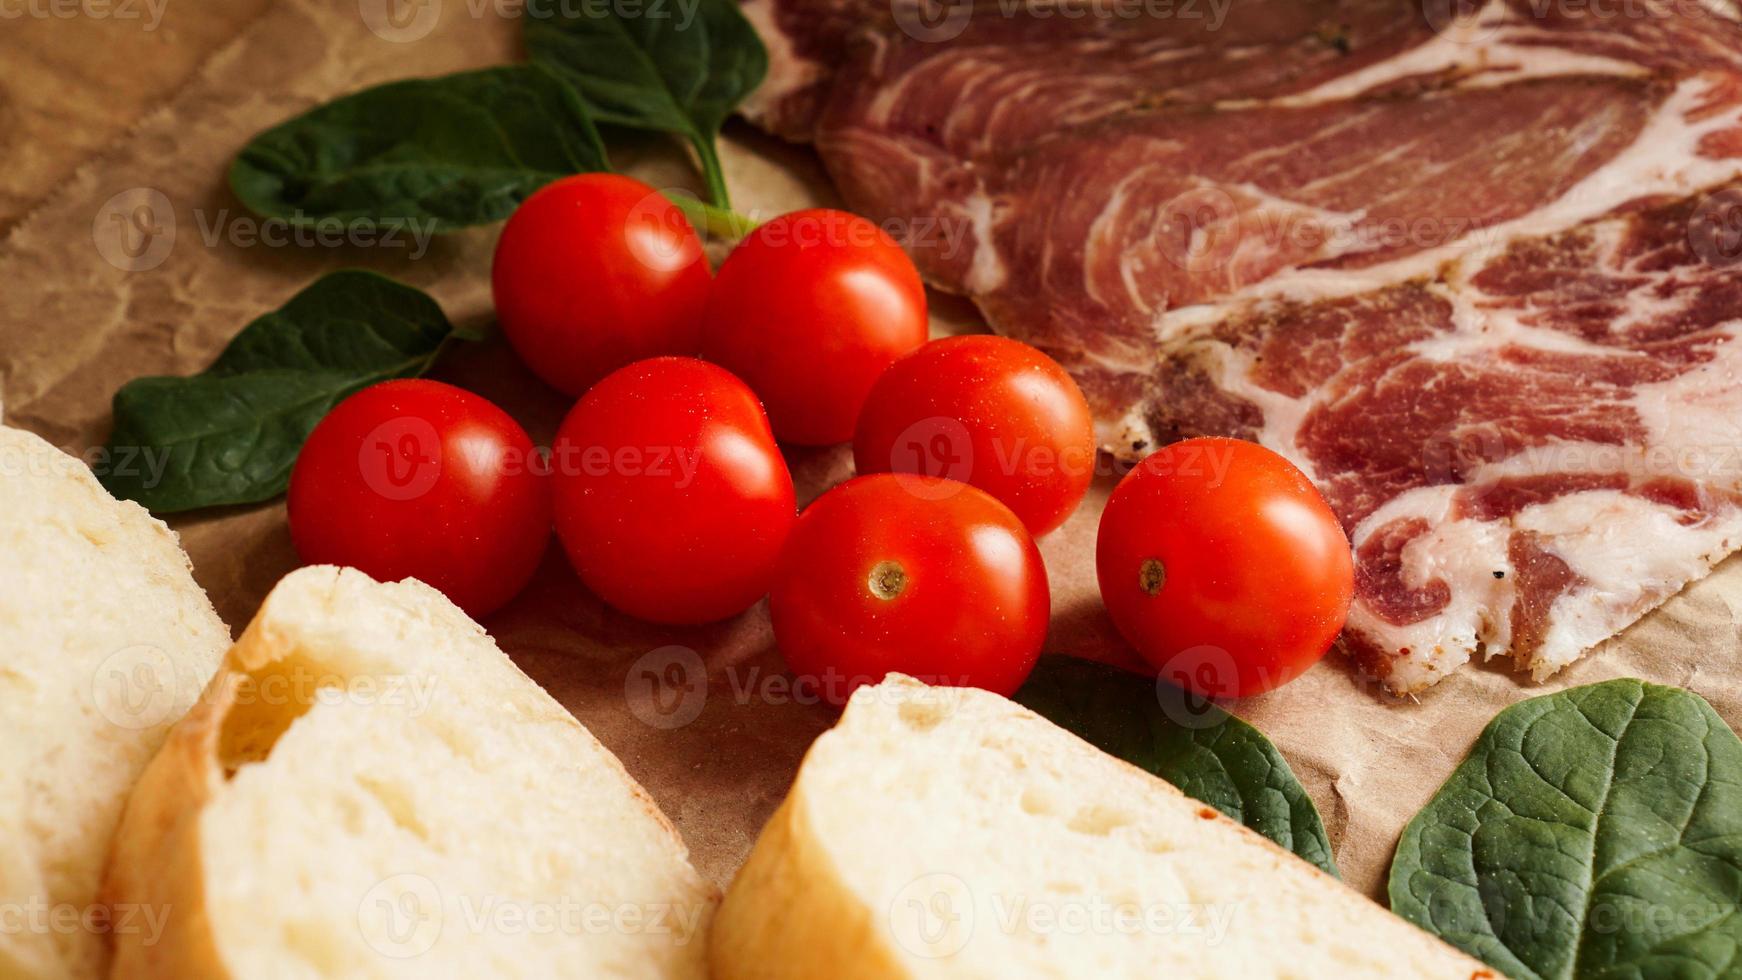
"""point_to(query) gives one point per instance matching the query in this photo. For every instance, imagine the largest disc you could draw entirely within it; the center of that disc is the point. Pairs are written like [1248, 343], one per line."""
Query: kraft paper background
[99, 115]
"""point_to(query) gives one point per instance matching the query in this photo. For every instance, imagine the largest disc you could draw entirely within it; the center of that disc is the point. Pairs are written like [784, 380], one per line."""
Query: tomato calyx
[1151, 576]
[888, 580]
[1242, 573]
[878, 578]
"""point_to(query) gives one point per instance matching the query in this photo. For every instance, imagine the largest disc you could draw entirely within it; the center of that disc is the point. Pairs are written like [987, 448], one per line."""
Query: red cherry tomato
[809, 310]
[987, 411]
[594, 272]
[672, 499]
[944, 584]
[418, 479]
[1224, 567]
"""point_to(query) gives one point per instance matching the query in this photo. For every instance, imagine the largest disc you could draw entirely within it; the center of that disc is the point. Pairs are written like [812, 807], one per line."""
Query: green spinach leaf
[1206, 752]
[1592, 833]
[231, 434]
[672, 68]
[439, 153]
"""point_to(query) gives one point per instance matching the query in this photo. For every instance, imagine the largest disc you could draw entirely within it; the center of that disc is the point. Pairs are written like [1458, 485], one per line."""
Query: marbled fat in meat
[1475, 267]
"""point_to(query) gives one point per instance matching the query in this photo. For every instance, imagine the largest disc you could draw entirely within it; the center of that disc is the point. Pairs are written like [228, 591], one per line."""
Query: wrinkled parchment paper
[94, 291]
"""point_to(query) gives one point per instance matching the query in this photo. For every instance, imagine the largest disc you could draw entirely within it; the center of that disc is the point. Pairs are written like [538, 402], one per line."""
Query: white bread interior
[950, 833]
[370, 788]
[105, 641]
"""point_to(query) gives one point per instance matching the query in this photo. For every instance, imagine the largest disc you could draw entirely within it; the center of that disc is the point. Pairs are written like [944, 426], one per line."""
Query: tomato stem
[1151, 576]
[888, 579]
[712, 221]
[714, 173]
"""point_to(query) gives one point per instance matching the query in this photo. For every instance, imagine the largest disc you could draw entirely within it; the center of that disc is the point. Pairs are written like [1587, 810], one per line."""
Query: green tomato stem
[713, 172]
[714, 222]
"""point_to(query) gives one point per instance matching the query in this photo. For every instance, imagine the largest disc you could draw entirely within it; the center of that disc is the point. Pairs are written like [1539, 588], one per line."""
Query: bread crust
[789, 914]
[183, 809]
[105, 639]
[794, 911]
[156, 860]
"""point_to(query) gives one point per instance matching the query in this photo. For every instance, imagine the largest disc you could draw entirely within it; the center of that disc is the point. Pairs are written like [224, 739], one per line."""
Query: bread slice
[370, 788]
[105, 641]
[950, 833]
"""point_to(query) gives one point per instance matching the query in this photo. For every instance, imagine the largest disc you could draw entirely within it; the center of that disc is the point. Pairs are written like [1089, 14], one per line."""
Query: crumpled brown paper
[89, 302]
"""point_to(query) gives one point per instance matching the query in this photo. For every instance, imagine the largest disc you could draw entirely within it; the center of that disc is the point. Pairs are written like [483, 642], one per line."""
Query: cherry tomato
[945, 585]
[987, 411]
[595, 271]
[1224, 567]
[418, 479]
[672, 499]
[809, 310]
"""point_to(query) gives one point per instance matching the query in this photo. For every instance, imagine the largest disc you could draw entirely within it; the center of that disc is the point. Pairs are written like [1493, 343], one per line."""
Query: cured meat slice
[1529, 450]
[805, 43]
[1180, 208]
[1239, 174]
[1474, 266]
[999, 83]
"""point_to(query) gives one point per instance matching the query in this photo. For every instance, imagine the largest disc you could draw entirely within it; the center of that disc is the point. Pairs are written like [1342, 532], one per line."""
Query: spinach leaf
[1592, 833]
[1206, 752]
[440, 153]
[231, 434]
[670, 68]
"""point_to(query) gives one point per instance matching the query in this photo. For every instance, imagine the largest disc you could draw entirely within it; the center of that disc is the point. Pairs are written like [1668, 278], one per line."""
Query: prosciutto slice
[1477, 269]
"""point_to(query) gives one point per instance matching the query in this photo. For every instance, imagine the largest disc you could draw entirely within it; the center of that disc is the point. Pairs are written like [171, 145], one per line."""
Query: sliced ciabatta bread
[370, 788]
[105, 641]
[949, 833]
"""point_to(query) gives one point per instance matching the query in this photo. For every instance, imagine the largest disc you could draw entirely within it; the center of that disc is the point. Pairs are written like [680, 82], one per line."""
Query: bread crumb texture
[105, 641]
[949, 833]
[380, 792]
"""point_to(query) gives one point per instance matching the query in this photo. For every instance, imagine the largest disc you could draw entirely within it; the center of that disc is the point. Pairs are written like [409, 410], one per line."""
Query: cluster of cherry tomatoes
[669, 492]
